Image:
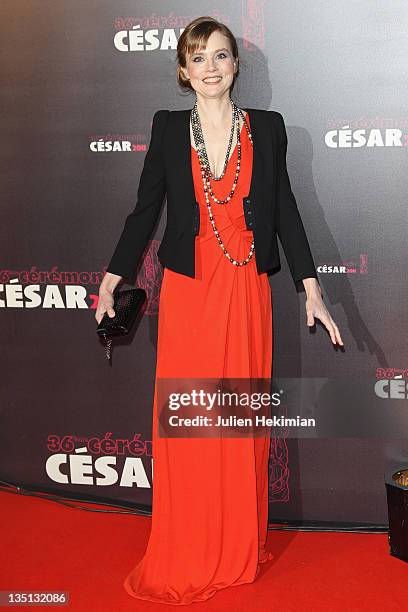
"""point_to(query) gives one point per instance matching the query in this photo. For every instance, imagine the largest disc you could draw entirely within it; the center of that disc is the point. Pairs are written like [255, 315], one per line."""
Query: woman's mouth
[212, 80]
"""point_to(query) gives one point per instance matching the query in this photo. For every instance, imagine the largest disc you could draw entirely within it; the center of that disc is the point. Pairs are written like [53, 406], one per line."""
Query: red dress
[210, 496]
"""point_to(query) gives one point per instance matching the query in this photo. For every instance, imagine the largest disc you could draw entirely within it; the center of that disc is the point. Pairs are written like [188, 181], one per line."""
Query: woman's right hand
[106, 299]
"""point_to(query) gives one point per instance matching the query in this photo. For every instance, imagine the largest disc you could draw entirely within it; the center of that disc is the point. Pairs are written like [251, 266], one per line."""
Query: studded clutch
[127, 305]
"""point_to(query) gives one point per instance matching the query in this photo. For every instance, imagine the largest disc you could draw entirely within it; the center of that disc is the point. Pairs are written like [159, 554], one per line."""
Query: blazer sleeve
[290, 227]
[140, 223]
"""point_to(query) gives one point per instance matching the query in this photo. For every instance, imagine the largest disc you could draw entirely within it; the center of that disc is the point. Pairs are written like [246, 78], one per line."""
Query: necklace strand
[206, 173]
[200, 144]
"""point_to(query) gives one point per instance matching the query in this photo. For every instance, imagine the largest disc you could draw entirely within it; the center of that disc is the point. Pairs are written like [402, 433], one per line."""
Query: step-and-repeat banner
[80, 83]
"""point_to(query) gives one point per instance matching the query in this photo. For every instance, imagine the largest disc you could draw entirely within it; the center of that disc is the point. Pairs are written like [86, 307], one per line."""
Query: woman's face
[211, 70]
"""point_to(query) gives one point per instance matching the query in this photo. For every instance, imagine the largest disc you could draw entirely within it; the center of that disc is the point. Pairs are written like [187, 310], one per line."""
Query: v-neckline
[235, 146]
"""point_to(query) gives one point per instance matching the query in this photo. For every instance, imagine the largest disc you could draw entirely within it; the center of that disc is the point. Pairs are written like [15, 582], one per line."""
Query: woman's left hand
[315, 307]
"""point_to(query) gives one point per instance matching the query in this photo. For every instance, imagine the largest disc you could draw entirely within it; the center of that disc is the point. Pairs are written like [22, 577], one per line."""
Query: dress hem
[132, 593]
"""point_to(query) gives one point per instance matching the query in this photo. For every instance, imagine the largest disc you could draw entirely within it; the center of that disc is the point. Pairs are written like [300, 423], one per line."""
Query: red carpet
[47, 546]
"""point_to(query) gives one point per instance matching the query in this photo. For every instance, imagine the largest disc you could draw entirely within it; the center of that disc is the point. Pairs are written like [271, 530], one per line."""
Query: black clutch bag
[127, 305]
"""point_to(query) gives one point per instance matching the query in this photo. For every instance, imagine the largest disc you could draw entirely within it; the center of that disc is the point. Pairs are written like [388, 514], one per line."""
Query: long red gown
[210, 496]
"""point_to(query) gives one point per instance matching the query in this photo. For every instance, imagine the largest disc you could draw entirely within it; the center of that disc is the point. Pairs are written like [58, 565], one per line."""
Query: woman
[210, 496]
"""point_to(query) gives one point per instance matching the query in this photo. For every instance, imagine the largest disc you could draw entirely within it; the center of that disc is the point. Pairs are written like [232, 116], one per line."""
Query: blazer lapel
[257, 155]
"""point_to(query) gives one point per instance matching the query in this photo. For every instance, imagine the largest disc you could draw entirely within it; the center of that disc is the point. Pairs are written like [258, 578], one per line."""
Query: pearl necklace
[206, 173]
[199, 142]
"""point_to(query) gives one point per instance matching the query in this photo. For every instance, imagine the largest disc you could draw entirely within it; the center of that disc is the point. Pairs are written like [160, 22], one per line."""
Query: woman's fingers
[326, 320]
[324, 316]
[337, 333]
[333, 330]
[105, 304]
[310, 318]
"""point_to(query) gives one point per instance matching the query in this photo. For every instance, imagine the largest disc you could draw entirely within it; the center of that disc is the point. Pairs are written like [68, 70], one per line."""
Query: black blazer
[270, 207]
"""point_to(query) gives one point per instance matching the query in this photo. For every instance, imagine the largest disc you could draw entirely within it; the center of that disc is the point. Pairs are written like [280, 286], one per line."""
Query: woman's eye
[198, 57]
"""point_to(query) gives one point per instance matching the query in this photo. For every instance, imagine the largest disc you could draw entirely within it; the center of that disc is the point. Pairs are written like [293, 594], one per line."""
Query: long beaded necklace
[200, 144]
[207, 174]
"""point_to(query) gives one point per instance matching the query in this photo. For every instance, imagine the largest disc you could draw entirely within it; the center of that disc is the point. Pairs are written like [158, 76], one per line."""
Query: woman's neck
[214, 112]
